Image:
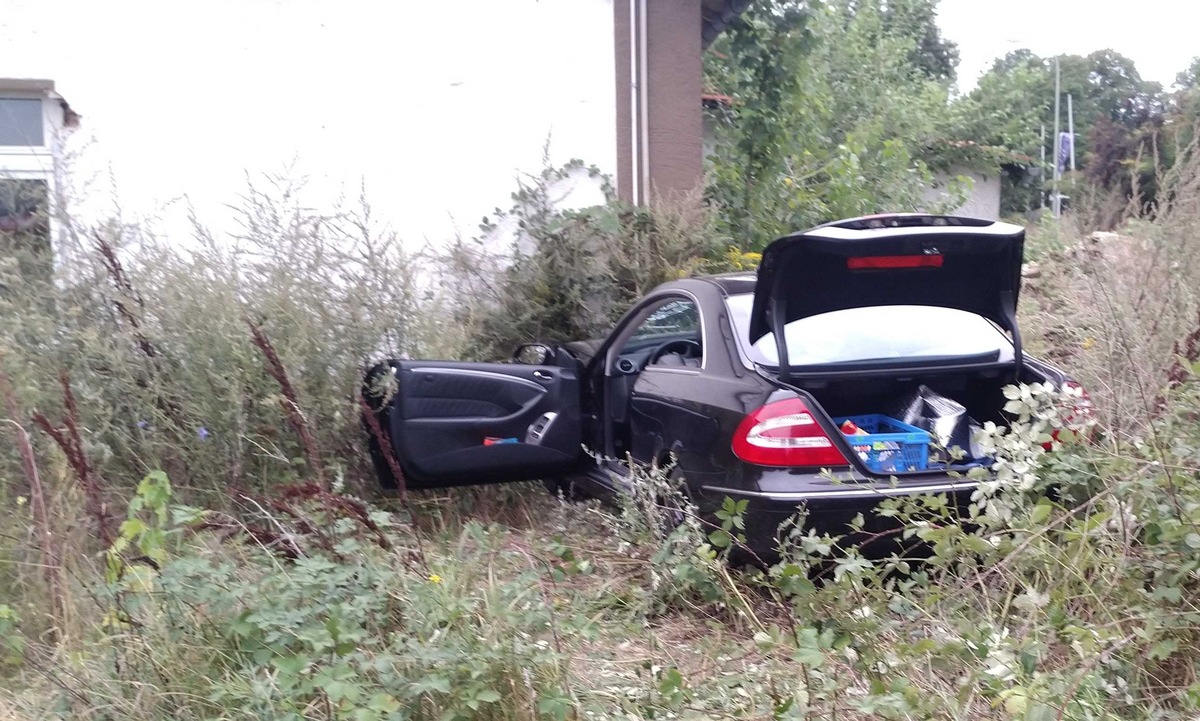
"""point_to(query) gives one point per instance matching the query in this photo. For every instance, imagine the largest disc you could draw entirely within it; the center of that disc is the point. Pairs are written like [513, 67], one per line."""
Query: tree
[933, 55]
[1181, 114]
[1006, 109]
[1189, 78]
[1116, 112]
[828, 107]
[1118, 91]
[760, 61]
[1002, 118]
[1022, 58]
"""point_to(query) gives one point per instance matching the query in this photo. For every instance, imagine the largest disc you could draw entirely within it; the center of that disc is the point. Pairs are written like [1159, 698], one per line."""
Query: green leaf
[131, 528]
[1041, 511]
[431, 682]
[671, 680]
[1040, 712]
[290, 665]
[1163, 649]
[811, 657]
[384, 703]
[720, 538]
[556, 707]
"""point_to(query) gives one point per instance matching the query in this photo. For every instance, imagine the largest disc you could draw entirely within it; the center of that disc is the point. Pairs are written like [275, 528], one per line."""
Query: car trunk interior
[979, 391]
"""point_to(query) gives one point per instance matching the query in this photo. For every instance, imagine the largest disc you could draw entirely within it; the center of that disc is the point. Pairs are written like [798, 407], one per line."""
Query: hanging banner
[1065, 141]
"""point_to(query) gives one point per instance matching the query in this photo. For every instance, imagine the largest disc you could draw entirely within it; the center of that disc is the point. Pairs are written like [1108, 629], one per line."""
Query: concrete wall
[983, 201]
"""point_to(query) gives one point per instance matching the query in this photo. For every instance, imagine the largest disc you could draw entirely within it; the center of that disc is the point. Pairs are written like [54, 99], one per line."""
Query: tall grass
[212, 397]
[1117, 310]
[138, 355]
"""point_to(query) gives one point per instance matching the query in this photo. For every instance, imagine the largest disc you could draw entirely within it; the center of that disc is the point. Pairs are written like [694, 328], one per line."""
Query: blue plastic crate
[889, 445]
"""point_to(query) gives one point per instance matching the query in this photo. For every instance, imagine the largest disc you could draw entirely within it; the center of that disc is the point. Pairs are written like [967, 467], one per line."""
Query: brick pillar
[673, 126]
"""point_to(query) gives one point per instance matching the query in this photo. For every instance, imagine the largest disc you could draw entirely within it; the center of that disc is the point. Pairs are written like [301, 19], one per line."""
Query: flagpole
[1042, 174]
[1056, 203]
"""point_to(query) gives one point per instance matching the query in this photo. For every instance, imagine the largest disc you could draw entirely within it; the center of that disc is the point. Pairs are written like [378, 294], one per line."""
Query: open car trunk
[903, 263]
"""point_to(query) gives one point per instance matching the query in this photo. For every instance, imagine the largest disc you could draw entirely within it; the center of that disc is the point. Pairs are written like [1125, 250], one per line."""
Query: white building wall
[983, 201]
[35, 162]
[480, 98]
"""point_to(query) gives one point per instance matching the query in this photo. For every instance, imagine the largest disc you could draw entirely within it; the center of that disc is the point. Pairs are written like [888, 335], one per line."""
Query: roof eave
[45, 88]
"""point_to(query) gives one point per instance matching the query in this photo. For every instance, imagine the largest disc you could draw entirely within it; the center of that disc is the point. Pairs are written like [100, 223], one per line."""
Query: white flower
[1032, 599]
[864, 612]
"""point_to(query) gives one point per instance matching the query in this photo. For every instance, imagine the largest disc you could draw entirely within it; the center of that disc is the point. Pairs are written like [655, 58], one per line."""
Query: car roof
[733, 283]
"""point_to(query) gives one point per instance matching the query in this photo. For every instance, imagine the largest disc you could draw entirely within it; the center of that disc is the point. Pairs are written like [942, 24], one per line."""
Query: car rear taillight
[1083, 410]
[1080, 414]
[785, 433]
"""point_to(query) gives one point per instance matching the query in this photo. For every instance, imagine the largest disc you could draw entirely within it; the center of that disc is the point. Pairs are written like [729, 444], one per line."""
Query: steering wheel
[683, 347]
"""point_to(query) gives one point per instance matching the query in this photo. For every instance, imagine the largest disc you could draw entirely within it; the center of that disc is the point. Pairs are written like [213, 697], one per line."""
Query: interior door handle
[543, 376]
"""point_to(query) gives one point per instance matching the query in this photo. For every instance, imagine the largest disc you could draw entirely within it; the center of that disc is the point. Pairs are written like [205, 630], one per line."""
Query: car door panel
[689, 414]
[457, 394]
[454, 423]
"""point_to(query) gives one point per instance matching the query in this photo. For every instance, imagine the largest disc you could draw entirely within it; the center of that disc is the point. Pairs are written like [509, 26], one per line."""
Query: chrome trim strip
[535, 437]
[668, 369]
[489, 374]
[882, 491]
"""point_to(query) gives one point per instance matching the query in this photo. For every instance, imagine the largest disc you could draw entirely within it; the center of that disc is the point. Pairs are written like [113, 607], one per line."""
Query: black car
[747, 380]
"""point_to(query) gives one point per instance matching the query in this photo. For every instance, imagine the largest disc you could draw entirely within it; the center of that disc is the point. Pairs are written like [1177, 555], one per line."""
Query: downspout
[644, 91]
[634, 174]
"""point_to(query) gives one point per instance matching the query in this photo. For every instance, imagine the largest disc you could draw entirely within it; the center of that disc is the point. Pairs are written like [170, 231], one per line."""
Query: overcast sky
[1160, 36]
[420, 98]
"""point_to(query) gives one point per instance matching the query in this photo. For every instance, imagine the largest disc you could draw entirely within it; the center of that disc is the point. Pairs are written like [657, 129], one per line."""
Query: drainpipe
[644, 91]
[634, 97]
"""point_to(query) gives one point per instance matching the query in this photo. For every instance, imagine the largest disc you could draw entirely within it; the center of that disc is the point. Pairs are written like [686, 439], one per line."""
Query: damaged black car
[850, 368]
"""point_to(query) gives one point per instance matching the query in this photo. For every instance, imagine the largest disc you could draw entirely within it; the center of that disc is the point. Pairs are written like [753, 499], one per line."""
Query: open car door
[454, 423]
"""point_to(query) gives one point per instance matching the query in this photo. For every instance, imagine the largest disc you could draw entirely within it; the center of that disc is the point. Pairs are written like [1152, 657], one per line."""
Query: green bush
[568, 275]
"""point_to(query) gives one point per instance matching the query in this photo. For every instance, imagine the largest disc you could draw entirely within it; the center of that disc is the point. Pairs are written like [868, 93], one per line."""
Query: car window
[672, 318]
[677, 319]
[885, 332]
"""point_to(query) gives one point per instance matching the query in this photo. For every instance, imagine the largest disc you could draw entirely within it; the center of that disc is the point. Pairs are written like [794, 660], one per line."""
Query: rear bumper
[788, 487]
[831, 504]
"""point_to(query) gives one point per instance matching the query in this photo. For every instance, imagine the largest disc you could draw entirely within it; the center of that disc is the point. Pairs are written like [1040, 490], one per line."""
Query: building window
[21, 122]
[25, 228]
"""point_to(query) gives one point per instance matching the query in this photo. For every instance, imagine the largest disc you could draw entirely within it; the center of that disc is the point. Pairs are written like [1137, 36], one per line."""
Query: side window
[673, 318]
[670, 336]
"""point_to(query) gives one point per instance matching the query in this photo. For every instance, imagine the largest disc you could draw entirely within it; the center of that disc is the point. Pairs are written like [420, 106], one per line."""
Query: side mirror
[533, 354]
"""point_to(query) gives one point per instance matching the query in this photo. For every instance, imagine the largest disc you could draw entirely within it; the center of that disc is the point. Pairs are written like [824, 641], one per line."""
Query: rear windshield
[877, 333]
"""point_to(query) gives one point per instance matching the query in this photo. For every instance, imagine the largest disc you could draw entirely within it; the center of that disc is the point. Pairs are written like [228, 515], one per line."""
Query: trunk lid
[907, 259]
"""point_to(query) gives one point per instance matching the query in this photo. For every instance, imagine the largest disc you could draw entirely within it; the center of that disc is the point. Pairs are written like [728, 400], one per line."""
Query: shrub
[570, 274]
